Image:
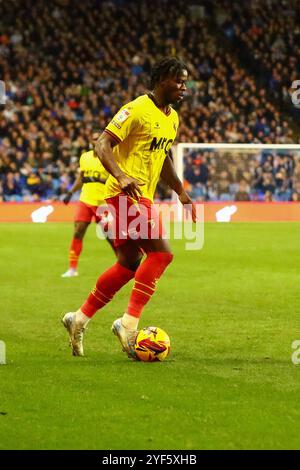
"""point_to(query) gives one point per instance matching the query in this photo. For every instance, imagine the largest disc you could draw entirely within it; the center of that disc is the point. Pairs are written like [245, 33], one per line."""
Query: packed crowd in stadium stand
[242, 176]
[266, 36]
[70, 68]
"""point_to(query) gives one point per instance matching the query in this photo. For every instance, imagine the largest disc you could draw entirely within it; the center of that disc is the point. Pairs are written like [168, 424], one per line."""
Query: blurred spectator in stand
[11, 187]
[268, 185]
[223, 187]
[268, 196]
[243, 192]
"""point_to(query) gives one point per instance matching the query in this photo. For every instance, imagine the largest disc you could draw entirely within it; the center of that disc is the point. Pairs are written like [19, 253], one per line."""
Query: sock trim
[99, 298]
[99, 292]
[143, 292]
[145, 285]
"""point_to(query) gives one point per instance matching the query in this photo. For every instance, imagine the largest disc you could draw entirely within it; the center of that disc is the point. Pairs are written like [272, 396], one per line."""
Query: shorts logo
[122, 116]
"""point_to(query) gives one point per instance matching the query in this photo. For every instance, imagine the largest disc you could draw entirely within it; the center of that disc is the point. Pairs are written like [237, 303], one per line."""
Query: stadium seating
[70, 67]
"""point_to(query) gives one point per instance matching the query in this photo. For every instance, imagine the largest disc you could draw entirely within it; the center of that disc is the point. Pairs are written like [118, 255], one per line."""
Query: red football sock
[145, 281]
[75, 250]
[107, 285]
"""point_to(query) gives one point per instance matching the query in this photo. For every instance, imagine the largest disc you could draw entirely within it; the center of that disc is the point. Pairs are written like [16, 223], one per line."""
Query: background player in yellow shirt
[91, 179]
[134, 149]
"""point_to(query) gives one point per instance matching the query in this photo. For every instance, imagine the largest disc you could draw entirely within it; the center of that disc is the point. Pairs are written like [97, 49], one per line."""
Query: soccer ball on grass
[152, 344]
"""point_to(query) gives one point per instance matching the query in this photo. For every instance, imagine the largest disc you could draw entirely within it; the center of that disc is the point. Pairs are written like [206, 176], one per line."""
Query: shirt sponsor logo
[162, 144]
[122, 116]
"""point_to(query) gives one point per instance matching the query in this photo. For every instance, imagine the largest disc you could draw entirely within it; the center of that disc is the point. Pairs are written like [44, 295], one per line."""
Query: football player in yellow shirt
[91, 179]
[134, 149]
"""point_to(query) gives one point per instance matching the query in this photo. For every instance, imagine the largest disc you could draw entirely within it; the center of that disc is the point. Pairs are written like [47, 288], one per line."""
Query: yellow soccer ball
[152, 344]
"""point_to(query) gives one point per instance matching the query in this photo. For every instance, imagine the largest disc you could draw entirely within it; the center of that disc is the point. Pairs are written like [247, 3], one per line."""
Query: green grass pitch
[232, 311]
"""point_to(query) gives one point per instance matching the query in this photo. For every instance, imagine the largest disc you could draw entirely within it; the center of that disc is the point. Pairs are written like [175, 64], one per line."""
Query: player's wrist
[120, 176]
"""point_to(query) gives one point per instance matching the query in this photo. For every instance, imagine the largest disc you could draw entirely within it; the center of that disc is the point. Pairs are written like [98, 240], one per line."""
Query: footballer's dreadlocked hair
[164, 68]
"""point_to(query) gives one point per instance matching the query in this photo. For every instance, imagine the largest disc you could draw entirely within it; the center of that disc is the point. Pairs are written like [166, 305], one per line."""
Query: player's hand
[185, 199]
[67, 198]
[130, 186]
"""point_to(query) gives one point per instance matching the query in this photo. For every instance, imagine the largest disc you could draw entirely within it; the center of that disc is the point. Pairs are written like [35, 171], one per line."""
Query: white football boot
[70, 273]
[126, 337]
[76, 331]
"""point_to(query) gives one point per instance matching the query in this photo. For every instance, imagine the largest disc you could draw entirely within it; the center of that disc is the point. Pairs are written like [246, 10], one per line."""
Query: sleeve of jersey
[123, 123]
[81, 162]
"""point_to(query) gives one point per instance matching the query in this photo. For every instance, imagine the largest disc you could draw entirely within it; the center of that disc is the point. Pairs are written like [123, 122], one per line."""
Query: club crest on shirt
[175, 127]
[156, 125]
[122, 116]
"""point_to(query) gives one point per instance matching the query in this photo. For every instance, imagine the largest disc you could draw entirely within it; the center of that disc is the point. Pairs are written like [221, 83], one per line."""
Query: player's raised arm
[104, 151]
[170, 177]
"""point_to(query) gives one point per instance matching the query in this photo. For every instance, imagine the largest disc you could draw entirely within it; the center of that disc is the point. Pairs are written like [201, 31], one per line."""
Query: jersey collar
[152, 98]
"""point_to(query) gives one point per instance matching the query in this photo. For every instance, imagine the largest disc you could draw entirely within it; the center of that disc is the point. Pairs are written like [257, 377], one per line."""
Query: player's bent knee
[130, 264]
[164, 258]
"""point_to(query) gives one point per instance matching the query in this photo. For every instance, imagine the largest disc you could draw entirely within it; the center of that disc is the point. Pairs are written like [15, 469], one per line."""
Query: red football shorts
[86, 213]
[133, 221]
